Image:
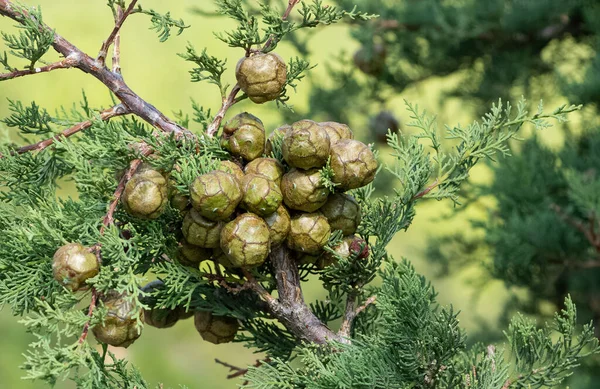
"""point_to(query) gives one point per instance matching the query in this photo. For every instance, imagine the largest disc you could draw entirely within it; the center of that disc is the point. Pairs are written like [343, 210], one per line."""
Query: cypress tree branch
[587, 230]
[117, 110]
[286, 14]
[64, 64]
[227, 103]
[291, 309]
[113, 81]
[116, 59]
[352, 312]
[238, 371]
[109, 218]
[86, 326]
[113, 34]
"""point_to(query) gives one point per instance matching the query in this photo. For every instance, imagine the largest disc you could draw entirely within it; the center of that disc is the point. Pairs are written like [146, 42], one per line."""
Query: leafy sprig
[163, 24]
[34, 39]
[208, 68]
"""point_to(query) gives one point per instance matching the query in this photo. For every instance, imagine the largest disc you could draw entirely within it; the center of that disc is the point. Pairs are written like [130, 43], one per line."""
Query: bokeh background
[153, 69]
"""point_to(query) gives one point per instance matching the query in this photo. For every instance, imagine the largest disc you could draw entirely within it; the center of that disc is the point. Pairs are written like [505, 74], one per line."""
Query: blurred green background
[152, 69]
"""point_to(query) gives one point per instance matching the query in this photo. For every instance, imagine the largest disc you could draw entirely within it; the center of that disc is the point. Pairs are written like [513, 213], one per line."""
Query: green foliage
[327, 175]
[296, 69]
[248, 34]
[162, 23]
[208, 68]
[29, 120]
[33, 40]
[401, 353]
[476, 141]
[543, 362]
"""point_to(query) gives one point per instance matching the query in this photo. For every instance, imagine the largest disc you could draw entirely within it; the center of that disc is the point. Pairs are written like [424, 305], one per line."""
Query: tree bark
[290, 308]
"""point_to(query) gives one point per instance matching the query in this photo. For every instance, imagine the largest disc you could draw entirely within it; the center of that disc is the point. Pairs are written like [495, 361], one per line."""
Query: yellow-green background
[152, 69]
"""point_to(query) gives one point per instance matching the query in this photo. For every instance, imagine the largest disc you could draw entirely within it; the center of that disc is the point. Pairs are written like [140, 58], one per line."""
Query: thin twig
[109, 219]
[117, 110]
[425, 191]
[66, 63]
[368, 302]
[86, 326]
[227, 103]
[111, 38]
[238, 371]
[587, 230]
[116, 59]
[286, 14]
[352, 312]
[258, 288]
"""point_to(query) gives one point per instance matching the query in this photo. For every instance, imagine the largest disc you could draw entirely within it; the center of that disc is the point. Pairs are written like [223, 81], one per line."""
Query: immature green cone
[231, 168]
[180, 202]
[215, 195]
[244, 136]
[72, 265]
[350, 245]
[261, 195]
[192, 256]
[201, 231]
[145, 195]
[158, 317]
[309, 233]
[343, 213]
[245, 240]
[266, 167]
[120, 328]
[306, 145]
[261, 76]
[303, 191]
[353, 164]
[277, 133]
[337, 131]
[215, 329]
[279, 225]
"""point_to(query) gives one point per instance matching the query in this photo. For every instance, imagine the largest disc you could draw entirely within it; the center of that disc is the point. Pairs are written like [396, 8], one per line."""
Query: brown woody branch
[227, 103]
[86, 326]
[117, 110]
[109, 219]
[290, 308]
[352, 312]
[113, 34]
[116, 59]
[64, 64]
[113, 81]
[589, 230]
